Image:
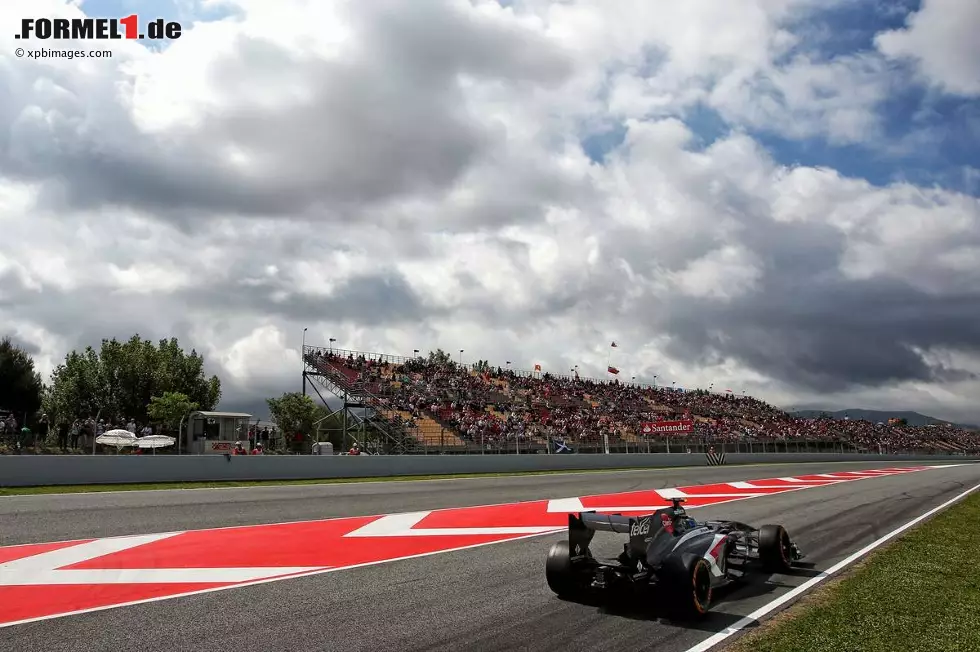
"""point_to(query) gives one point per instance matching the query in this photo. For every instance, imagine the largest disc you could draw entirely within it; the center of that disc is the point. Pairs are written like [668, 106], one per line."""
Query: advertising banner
[683, 426]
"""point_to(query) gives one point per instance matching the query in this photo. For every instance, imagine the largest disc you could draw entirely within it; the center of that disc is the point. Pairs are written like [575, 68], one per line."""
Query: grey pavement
[487, 598]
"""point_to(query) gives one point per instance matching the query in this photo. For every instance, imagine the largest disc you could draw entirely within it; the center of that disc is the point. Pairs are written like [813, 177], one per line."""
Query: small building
[215, 433]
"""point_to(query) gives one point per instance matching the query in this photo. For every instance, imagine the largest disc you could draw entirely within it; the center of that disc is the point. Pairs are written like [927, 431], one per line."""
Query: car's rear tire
[775, 549]
[689, 591]
[561, 575]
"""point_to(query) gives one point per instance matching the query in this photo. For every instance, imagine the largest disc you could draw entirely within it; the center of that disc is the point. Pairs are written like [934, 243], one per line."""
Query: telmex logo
[640, 528]
[96, 28]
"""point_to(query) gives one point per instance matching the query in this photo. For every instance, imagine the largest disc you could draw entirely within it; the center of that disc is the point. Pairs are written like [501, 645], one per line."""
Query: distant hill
[912, 418]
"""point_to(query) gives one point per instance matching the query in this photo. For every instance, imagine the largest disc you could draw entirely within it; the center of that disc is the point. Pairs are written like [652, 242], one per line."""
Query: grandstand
[417, 405]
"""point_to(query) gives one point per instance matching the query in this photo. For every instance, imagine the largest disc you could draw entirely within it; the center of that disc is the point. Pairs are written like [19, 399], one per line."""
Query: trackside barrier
[715, 459]
[41, 470]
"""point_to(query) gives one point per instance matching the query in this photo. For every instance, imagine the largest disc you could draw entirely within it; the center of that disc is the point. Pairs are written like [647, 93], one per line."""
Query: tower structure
[366, 419]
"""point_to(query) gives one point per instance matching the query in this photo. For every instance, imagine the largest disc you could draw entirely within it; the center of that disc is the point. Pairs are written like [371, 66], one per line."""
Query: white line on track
[566, 505]
[752, 485]
[762, 611]
[48, 568]
[556, 530]
[575, 506]
[323, 571]
[273, 485]
[403, 525]
[102, 577]
[83, 552]
[557, 505]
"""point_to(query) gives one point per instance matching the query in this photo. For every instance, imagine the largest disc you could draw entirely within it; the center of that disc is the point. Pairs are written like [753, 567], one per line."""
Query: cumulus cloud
[940, 39]
[405, 176]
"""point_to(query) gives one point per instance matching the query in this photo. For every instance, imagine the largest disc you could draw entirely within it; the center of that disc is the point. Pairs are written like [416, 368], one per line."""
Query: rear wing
[605, 522]
[583, 526]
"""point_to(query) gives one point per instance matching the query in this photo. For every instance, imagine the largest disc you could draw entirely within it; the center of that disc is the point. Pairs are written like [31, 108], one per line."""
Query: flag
[612, 370]
[537, 367]
[613, 345]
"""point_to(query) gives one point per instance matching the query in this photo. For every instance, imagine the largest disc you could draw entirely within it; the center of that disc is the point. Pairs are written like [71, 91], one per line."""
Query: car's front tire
[775, 549]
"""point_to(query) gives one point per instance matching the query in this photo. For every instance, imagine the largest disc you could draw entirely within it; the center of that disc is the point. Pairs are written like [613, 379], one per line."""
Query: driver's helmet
[682, 522]
[676, 523]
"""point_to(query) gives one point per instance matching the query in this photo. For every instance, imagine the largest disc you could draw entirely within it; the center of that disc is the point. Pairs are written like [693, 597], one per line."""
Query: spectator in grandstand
[492, 405]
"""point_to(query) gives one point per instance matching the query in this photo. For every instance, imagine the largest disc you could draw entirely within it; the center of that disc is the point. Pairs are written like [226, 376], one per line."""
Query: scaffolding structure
[366, 420]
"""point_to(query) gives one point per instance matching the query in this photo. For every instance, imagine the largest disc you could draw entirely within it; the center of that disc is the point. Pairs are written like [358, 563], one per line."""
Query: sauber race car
[678, 558]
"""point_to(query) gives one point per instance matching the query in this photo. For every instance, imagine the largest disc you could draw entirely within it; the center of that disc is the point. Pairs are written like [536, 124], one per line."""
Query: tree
[295, 413]
[170, 409]
[121, 379]
[20, 384]
[440, 357]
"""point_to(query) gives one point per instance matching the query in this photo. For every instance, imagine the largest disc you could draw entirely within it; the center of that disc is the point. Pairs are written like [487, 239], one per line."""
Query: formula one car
[668, 553]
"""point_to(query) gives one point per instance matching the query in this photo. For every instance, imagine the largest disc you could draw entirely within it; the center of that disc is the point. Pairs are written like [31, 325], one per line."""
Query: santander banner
[683, 426]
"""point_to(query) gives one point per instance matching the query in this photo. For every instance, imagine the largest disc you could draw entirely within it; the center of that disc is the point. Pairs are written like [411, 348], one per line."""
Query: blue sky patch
[185, 12]
[707, 125]
[146, 9]
[851, 26]
[926, 138]
[598, 144]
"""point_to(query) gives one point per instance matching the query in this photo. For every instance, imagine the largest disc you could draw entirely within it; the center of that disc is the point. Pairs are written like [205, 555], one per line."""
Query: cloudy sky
[775, 196]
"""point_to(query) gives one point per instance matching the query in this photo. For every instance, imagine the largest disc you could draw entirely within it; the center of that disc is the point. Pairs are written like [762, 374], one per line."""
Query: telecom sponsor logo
[664, 427]
[101, 29]
[640, 528]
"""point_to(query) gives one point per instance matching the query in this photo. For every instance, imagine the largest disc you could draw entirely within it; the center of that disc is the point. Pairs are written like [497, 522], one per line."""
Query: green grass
[921, 593]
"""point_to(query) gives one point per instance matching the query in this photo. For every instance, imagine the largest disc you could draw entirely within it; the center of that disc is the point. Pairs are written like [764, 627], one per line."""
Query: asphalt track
[488, 598]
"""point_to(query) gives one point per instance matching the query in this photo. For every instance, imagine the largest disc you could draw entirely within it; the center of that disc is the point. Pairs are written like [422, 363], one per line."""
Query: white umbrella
[118, 438]
[155, 441]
